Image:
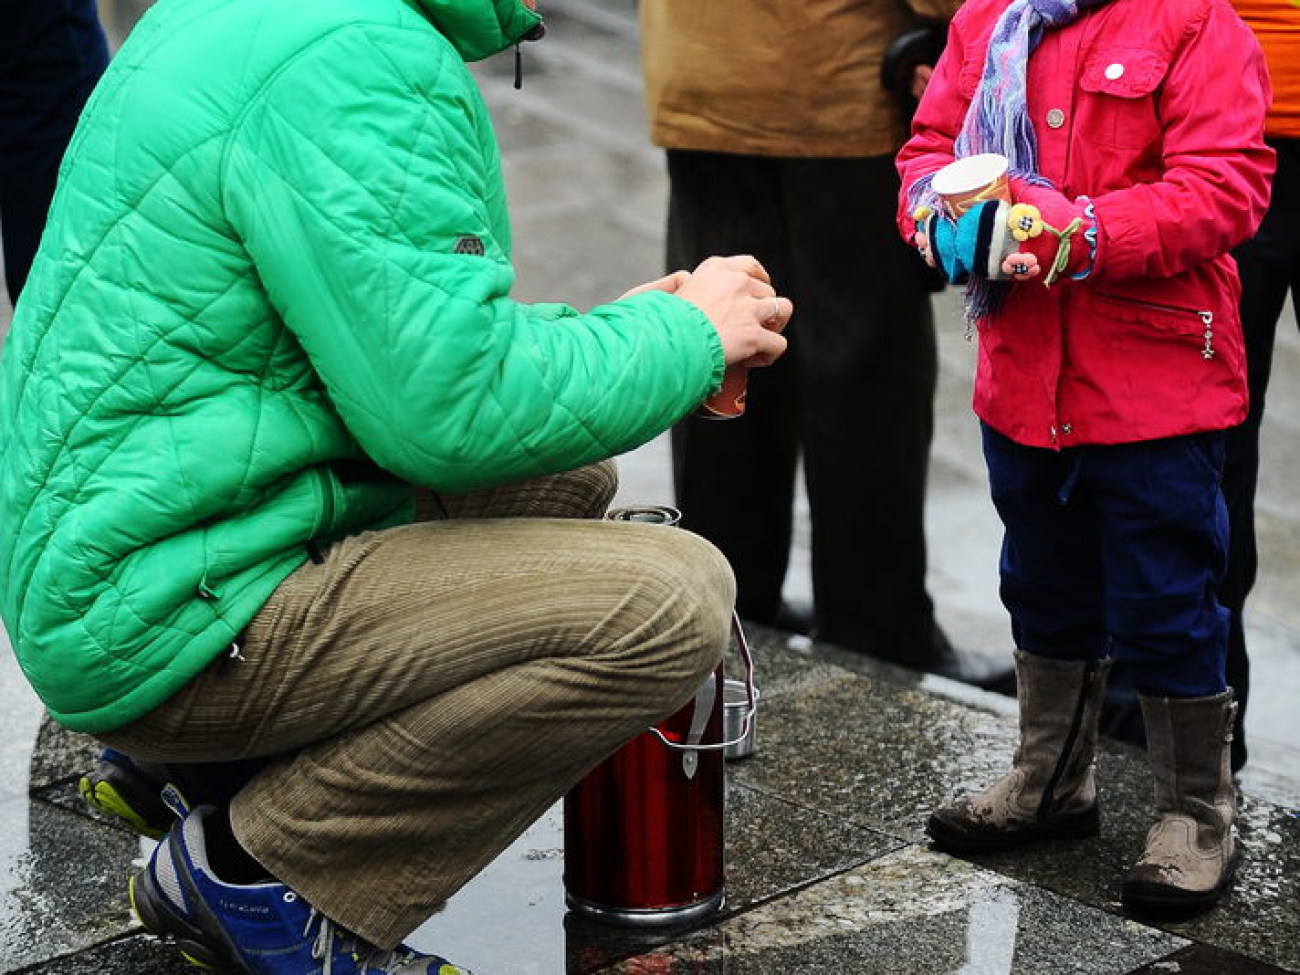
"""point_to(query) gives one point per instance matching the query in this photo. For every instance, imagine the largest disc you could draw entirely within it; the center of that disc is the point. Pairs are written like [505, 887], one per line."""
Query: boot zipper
[1076, 724]
[1206, 317]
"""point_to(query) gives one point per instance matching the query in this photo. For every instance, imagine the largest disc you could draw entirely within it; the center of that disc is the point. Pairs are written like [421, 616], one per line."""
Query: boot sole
[1162, 901]
[954, 839]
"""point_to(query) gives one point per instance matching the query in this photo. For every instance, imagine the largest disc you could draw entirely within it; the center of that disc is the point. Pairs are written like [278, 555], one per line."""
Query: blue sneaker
[130, 791]
[149, 797]
[262, 929]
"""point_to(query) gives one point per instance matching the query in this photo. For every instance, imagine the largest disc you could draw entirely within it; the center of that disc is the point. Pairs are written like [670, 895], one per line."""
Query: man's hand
[669, 282]
[737, 296]
[921, 76]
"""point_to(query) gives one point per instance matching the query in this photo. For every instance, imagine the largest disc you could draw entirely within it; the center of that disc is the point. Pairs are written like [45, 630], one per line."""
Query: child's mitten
[1034, 220]
[977, 243]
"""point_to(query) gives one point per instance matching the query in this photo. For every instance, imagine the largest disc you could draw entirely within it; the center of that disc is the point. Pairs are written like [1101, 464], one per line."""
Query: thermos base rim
[642, 917]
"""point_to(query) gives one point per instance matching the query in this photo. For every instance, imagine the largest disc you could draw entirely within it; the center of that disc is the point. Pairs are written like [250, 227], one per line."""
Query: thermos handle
[751, 704]
[665, 515]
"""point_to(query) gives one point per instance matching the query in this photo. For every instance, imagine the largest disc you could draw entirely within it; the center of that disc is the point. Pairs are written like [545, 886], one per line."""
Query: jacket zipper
[327, 513]
[1206, 317]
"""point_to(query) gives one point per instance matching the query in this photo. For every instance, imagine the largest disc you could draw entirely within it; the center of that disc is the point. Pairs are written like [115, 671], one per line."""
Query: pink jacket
[1154, 110]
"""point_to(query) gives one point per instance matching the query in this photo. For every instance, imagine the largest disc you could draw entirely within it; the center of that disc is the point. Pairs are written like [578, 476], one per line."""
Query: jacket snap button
[1115, 71]
[1055, 118]
[1067, 428]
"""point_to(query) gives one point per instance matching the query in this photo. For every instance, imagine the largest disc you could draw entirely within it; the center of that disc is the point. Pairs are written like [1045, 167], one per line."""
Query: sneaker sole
[104, 797]
[162, 924]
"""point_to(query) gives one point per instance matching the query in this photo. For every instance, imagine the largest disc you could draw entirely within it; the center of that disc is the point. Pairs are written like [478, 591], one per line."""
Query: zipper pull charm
[1208, 351]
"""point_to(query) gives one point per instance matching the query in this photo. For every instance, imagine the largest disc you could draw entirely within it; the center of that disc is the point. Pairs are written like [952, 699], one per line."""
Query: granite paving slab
[1207, 960]
[772, 848]
[913, 912]
[130, 955]
[66, 890]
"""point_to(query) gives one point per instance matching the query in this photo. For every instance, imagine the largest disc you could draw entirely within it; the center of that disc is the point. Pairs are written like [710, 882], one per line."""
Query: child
[1110, 363]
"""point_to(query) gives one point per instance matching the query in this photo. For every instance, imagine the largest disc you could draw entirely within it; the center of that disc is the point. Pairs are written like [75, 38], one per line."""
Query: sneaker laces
[322, 947]
[392, 961]
[400, 960]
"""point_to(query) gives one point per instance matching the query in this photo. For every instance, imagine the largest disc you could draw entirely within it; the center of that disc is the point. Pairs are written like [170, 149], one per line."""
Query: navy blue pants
[51, 54]
[1117, 551]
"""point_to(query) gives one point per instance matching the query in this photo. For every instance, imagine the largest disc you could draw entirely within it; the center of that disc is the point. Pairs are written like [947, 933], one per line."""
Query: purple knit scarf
[998, 117]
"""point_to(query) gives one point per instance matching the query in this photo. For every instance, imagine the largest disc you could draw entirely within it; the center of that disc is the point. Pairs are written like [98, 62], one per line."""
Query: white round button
[1114, 71]
[1055, 118]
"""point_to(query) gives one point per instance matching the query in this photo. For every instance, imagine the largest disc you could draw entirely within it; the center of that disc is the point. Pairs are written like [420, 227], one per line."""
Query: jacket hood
[479, 28]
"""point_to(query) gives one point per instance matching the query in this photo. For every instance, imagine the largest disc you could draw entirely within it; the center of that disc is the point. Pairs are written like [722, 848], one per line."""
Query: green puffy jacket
[273, 293]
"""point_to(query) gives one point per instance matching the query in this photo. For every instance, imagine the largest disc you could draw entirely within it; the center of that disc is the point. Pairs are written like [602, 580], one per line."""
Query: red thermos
[643, 832]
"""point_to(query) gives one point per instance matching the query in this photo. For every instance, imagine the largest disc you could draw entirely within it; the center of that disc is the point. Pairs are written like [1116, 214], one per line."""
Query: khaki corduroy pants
[428, 691]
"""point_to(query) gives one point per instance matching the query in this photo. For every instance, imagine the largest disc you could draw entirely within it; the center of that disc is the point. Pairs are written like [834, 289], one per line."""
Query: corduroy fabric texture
[434, 688]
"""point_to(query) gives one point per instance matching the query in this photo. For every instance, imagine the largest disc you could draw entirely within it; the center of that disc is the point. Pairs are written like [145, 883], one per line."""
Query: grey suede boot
[1050, 792]
[1192, 850]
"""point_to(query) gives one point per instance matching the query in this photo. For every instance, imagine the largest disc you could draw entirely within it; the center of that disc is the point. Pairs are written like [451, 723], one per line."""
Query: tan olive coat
[776, 77]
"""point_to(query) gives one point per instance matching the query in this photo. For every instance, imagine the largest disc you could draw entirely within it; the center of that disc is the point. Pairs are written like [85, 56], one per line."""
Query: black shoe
[979, 671]
[944, 660]
[794, 616]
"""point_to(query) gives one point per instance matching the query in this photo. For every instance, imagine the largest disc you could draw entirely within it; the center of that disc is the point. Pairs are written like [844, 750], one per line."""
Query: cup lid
[969, 173]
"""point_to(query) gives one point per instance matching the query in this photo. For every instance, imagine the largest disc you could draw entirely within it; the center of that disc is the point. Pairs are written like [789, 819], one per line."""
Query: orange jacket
[1277, 25]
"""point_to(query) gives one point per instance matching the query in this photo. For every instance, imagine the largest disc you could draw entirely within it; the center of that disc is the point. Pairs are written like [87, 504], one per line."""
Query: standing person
[1110, 365]
[780, 141]
[274, 302]
[1269, 264]
[51, 54]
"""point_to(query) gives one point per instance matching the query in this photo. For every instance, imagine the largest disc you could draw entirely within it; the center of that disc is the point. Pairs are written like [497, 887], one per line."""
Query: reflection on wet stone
[69, 887]
[915, 912]
[137, 955]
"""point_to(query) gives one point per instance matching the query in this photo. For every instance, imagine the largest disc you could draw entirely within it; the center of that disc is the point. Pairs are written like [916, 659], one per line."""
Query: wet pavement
[828, 868]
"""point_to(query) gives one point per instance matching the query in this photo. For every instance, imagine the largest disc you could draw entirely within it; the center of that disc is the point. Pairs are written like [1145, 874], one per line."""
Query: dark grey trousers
[852, 399]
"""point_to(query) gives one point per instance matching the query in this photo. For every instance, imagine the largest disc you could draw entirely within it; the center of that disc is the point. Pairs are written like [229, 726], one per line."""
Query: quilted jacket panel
[273, 293]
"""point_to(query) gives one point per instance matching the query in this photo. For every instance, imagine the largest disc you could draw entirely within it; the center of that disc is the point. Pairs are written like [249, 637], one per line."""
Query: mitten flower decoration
[1021, 266]
[920, 239]
[1025, 221]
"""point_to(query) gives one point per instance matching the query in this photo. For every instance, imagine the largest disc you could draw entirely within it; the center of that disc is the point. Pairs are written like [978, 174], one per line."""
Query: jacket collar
[479, 28]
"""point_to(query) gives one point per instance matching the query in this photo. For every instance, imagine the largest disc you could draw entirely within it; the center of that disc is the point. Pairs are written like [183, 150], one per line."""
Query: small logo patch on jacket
[469, 244]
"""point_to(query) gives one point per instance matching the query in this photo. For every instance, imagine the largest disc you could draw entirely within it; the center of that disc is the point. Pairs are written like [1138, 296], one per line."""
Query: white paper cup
[971, 180]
